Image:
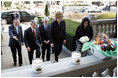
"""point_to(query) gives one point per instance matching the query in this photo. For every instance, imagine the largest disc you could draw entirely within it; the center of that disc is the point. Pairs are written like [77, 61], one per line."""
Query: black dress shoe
[15, 64]
[48, 60]
[20, 64]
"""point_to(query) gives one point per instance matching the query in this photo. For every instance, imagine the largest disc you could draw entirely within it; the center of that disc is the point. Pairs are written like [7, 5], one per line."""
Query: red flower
[102, 49]
[101, 41]
[102, 44]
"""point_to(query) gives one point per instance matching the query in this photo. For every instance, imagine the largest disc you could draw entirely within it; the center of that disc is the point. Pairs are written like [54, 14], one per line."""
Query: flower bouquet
[105, 43]
[84, 39]
[102, 47]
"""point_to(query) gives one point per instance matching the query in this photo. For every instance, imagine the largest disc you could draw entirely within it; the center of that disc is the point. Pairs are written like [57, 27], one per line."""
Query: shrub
[40, 20]
[71, 27]
[46, 10]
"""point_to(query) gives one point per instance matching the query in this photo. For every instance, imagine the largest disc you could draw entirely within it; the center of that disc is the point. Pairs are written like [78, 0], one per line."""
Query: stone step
[29, 66]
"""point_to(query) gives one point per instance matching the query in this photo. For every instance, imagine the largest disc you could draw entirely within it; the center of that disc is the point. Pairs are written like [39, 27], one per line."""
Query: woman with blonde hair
[57, 34]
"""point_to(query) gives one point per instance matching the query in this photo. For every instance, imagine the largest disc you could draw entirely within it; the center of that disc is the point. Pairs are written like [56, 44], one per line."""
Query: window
[24, 13]
[5, 14]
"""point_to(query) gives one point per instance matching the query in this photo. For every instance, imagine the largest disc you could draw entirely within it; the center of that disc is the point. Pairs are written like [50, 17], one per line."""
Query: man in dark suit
[32, 41]
[52, 20]
[45, 35]
[57, 34]
[16, 40]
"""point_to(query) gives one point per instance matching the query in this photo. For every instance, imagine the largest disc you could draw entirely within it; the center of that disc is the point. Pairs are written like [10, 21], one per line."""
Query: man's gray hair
[45, 18]
[32, 22]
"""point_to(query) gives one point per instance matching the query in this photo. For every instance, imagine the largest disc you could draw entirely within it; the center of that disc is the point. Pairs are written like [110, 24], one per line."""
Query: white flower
[84, 39]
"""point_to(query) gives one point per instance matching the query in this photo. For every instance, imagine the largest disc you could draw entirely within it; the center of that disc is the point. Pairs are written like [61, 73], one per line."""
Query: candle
[37, 65]
[76, 57]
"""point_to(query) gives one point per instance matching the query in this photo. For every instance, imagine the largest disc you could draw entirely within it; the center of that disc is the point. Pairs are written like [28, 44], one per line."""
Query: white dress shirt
[16, 27]
[45, 25]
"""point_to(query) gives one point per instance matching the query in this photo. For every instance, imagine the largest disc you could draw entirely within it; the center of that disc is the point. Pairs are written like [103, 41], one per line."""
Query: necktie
[34, 33]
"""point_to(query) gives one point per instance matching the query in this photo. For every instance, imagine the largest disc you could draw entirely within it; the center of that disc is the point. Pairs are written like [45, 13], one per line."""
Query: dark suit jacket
[29, 39]
[12, 32]
[45, 33]
[57, 33]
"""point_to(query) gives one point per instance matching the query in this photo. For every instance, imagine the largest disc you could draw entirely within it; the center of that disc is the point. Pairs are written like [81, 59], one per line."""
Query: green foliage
[47, 13]
[71, 27]
[107, 16]
[40, 20]
[7, 3]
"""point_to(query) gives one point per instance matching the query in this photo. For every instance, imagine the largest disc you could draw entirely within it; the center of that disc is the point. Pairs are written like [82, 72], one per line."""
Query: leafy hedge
[71, 27]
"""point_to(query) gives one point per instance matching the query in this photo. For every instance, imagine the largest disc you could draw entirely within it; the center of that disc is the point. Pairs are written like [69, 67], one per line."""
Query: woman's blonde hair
[58, 15]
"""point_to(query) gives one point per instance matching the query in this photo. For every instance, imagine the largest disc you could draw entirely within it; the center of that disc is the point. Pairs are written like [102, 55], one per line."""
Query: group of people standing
[46, 36]
[36, 37]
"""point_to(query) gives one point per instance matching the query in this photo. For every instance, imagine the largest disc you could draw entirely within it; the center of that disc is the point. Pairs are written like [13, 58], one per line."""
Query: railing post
[111, 70]
[113, 29]
[105, 28]
[97, 74]
[115, 72]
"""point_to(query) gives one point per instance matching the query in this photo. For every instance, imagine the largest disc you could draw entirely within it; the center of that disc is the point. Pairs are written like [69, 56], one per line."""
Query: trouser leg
[57, 50]
[78, 46]
[43, 52]
[30, 55]
[38, 52]
[48, 53]
[13, 50]
[19, 54]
